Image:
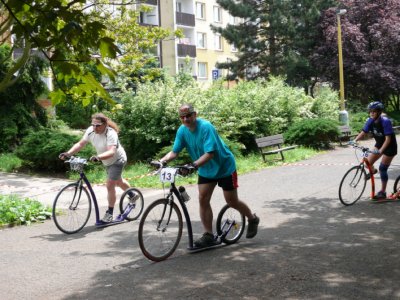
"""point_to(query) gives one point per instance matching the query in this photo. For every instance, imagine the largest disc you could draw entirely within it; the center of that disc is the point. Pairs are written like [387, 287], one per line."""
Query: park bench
[345, 134]
[269, 145]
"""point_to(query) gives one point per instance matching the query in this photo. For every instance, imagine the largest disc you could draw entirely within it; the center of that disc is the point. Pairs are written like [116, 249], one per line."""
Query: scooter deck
[195, 249]
[389, 199]
[118, 220]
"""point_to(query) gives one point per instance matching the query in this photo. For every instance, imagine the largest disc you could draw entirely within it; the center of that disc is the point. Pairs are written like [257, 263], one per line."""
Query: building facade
[199, 51]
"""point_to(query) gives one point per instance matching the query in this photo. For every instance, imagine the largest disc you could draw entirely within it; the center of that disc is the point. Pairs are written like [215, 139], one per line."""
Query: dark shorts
[389, 151]
[228, 183]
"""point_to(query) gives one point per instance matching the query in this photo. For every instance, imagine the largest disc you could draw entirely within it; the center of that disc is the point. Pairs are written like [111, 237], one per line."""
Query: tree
[70, 34]
[19, 111]
[371, 50]
[276, 36]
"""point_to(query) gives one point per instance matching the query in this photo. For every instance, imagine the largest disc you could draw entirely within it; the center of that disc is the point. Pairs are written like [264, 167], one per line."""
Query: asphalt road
[309, 246]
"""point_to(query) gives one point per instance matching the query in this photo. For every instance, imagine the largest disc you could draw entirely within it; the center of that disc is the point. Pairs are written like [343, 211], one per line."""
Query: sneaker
[368, 176]
[380, 196]
[133, 197]
[107, 217]
[207, 240]
[252, 227]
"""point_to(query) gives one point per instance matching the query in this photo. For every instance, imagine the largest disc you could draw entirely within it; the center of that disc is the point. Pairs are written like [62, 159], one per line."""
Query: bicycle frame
[99, 222]
[92, 195]
[370, 170]
[365, 161]
[174, 191]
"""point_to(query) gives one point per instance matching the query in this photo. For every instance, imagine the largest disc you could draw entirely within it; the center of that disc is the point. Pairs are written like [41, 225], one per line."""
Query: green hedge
[40, 149]
[313, 133]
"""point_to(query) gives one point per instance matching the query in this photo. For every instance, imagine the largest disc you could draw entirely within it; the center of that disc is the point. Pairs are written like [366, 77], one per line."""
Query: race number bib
[168, 175]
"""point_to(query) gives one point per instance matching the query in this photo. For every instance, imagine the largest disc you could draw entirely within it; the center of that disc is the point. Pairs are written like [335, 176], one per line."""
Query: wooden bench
[265, 145]
[345, 134]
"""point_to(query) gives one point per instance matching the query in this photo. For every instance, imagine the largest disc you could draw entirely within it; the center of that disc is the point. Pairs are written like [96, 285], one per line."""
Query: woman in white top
[103, 135]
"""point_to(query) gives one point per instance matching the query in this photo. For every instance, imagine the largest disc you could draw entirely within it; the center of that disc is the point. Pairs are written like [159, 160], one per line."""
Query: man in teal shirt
[216, 165]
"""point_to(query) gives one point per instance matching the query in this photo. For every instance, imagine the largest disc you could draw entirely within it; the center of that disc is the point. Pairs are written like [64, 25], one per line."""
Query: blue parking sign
[215, 74]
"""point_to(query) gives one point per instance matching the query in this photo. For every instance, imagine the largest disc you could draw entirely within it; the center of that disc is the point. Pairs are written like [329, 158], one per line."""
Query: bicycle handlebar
[181, 170]
[363, 149]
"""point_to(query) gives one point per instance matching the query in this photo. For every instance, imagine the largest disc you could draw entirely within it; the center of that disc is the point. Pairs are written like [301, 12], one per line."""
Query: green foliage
[149, 118]
[78, 116]
[74, 34]
[278, 37]
[40, 149]
[17, 211]
[357, 121]
[19, 111]
[314, 133]
[9, 162]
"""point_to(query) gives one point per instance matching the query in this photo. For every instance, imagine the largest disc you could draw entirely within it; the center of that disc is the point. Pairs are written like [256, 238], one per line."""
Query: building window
[178, 6]
[202, 70]
[201, 40]
[217, 42]
[200, 10]
[217, 14]
[233, 48]
[232, 20]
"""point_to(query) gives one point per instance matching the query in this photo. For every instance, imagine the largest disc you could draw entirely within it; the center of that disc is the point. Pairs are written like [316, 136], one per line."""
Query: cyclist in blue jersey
[215, 164]
[385, 143]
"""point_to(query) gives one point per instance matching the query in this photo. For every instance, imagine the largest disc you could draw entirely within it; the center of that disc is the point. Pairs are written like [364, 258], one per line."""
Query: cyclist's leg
[372, 158]
[206, 214]
[383, 167]
[232, 199]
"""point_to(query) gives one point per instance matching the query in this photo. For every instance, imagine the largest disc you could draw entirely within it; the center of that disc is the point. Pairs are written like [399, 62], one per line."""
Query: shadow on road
[323, 250]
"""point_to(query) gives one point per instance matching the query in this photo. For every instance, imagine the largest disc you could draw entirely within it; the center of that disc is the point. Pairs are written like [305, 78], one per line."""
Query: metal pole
[341, 79]
[343, 114]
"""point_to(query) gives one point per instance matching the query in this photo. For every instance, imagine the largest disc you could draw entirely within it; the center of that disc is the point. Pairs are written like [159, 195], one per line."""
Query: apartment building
[201, 49]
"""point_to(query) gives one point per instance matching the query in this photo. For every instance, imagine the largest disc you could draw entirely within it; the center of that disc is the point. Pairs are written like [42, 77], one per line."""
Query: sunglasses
[97, 125]
[186, 116]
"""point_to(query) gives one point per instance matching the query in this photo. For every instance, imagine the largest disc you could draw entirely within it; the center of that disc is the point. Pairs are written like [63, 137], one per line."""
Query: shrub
[149, 119]
[15, 210]
[19, 110]
[9, 162]
[314, 133]
[40, 149]
[357, 121]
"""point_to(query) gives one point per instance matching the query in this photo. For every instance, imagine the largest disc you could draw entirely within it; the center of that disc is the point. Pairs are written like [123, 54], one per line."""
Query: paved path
[309, 246]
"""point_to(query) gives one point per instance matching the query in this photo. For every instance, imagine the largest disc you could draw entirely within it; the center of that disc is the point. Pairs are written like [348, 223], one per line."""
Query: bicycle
[73, 204]
[160, 228]
[354, 181]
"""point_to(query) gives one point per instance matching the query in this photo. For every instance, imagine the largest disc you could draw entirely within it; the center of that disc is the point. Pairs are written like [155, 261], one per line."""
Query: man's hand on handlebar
[188, 169]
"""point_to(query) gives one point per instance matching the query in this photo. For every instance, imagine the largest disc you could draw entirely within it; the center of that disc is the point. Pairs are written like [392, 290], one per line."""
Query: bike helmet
[376, 105]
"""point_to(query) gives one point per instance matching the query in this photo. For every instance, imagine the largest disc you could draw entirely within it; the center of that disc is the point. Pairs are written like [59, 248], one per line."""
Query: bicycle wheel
[137, 208]
[352, 185]
[160, 230]
[71, 208]
[396, 185]
[231, 220]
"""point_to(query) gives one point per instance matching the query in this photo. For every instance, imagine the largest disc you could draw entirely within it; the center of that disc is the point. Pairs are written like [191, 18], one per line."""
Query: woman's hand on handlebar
[64, 156]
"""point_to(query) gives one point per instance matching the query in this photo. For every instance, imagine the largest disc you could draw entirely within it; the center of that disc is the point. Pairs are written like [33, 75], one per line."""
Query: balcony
[151, 2]
[185, 19]
[186, 50]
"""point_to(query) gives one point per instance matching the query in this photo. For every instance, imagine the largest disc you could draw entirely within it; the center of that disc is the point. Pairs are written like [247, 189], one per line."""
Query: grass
[9, 162]
[15, 210]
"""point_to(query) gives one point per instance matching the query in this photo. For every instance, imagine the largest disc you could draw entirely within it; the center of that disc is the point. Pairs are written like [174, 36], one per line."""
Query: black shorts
[228, 183]
[389, 151]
